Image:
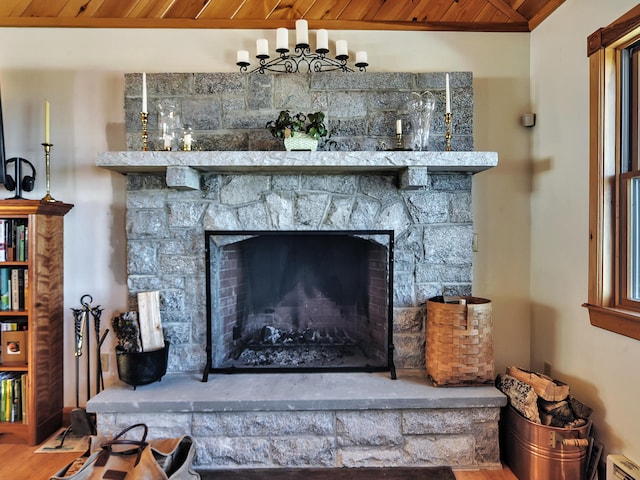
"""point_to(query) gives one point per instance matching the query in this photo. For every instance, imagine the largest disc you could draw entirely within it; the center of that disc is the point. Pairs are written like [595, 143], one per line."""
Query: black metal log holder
[82, 322]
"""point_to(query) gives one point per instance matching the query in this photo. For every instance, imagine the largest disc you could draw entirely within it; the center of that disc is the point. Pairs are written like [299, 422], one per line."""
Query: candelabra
[144, 116]
[399, 142]
[47, 164]
[447, 135]
[290, 63]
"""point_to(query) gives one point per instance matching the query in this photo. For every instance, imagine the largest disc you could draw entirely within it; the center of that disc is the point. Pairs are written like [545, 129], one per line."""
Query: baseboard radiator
[620, 467]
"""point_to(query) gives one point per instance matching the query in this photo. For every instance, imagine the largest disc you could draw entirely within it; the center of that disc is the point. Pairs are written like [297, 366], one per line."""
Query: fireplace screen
[299, 301]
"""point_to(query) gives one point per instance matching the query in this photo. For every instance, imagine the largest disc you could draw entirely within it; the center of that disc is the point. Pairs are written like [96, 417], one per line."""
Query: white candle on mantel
[302, 32]
[361, 57]
[447, 94]
[242, 57]
[144, 93]
[47, 123]
[262, 46]
[322, 39]
[341, 48]
[282, 39]
[399, 127]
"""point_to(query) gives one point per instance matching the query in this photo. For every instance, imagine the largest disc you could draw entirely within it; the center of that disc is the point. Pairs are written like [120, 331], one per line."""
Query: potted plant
[300, 131]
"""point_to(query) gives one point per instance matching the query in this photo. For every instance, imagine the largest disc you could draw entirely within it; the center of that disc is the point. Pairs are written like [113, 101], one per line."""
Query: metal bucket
[142, 368]
[534, 452]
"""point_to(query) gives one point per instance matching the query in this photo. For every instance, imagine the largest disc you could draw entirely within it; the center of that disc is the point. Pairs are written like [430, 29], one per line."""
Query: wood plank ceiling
[444, 15]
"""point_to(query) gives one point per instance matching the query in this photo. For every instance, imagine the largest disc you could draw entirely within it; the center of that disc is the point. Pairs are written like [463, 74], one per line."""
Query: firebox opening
[299, 301]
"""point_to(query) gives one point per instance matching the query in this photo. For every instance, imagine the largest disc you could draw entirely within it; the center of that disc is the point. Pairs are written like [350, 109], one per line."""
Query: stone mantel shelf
[310, 162]
[182, 169]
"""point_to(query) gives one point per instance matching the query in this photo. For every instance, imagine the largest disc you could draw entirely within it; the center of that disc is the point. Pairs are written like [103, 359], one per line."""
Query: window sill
[624, 322]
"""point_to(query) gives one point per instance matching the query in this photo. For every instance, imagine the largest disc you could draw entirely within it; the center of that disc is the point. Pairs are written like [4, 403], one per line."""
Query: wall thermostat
[528, 119]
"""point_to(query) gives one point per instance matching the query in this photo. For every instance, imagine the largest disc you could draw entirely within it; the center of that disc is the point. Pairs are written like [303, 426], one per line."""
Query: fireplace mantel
[412, 166]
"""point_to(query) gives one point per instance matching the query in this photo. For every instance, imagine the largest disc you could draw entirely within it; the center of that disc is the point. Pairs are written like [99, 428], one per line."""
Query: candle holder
[447, 135]
[47, 163]
[399, 142]
[144, 117]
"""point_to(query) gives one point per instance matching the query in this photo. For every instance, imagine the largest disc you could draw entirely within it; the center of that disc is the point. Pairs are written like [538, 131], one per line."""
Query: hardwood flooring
[19, 462]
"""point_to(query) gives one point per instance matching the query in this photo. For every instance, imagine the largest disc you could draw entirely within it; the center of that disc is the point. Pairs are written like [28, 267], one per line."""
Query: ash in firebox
[308, 348]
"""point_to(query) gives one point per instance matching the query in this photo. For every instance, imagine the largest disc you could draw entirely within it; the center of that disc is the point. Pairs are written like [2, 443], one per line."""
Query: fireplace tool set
[82, 424]
[82, 322]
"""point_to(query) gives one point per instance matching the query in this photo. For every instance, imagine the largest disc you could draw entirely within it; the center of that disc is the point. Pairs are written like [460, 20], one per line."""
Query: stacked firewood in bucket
[542, 399]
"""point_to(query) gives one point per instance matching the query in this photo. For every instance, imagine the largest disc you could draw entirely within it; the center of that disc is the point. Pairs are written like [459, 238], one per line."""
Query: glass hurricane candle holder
[168, 126]
[421, 107]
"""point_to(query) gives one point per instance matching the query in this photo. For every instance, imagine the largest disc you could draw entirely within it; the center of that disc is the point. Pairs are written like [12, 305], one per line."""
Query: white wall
[81, 73]
[601, 367]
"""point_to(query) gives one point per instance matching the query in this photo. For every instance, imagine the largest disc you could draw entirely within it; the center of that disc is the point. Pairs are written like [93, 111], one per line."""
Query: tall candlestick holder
[447, 135]
[144, 117]
[47, 164]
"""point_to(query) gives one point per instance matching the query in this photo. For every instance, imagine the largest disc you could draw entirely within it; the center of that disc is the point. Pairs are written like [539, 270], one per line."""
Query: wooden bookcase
[42, 314]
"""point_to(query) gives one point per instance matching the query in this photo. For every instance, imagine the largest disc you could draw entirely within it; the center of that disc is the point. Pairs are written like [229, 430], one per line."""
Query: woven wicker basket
[459, 343]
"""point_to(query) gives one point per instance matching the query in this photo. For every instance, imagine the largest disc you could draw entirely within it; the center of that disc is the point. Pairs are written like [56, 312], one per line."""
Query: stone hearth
[314, 420]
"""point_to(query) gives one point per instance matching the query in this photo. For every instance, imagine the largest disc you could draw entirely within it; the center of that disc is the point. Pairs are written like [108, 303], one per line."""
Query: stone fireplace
[182, 206]
[304, 419]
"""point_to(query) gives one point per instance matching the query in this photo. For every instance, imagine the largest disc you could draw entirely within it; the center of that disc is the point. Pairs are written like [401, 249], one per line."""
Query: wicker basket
[459, 343]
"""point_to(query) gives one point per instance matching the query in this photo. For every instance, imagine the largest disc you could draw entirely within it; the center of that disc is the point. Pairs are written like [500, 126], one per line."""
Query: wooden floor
[19, 462]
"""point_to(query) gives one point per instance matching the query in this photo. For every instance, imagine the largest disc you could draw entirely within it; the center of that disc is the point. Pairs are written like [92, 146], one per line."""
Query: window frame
[607, 234]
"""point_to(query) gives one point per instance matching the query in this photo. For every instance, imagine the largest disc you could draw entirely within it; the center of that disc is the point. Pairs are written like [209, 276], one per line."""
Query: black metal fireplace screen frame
[363, 234]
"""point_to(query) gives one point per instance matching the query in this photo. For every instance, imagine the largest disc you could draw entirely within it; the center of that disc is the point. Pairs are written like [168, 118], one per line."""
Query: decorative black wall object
[2, 152]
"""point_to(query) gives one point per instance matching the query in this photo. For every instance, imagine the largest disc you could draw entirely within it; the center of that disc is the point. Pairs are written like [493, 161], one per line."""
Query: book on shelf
[12, 288]
[14, 244]
[3, 242]
[14, 301]
[12, 389]
[5, 292]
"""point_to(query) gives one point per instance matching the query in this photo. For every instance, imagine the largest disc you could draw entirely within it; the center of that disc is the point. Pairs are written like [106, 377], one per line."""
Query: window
[614, 185]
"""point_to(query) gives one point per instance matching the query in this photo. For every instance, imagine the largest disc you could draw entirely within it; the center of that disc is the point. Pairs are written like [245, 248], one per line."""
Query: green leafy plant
[287, 125]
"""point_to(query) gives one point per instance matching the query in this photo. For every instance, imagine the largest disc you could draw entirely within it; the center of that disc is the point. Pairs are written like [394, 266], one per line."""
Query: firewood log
[521, 396]
[545, 387]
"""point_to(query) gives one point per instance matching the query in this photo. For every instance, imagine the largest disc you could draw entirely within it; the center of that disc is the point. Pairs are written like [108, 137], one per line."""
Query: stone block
[147, 223]
[242, 189]
[183, 178]
[215, 83]
[303, 451]
[259, 92]
[453, 450]
[354, 457]
[344, 184]
[368, 428]
[436, 422]
[142, 258]
[309, 209]
[409, 320]
[448, 244]
[202, 113]
[362, 81]
[409, 351]
[428, 207]
[254, 217]
[414, 178]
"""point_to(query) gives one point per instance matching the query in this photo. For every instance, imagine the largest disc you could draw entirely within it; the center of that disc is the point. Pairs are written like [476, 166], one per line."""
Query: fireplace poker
[95, 313]
[86, 308]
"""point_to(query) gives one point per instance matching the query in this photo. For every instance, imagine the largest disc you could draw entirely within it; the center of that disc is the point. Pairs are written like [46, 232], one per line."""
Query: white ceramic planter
[300, 141]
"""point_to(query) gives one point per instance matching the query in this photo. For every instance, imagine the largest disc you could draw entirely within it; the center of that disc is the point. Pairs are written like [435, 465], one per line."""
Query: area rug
[369, 473]
[71, 443]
